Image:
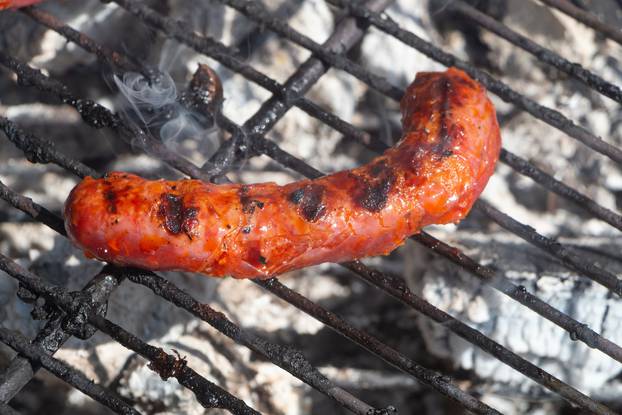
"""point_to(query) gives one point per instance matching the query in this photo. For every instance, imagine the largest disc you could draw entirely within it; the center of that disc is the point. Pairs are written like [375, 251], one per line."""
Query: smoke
[153, 104]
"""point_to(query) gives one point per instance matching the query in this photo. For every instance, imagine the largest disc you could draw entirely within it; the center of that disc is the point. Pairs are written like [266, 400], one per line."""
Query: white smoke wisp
[154, 104]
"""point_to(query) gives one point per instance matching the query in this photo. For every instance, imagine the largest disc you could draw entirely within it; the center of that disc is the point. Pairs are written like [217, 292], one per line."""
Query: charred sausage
[433, 175]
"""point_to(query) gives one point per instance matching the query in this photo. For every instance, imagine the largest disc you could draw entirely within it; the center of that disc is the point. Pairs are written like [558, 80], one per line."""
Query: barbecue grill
[82, 313]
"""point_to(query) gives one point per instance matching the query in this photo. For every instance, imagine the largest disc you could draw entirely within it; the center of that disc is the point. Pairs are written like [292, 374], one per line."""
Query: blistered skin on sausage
[433, 175]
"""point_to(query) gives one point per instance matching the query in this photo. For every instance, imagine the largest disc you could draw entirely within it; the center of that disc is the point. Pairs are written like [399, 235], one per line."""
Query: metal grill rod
[543, 54]
[107, 56]
[283, 355]
[373, 345]
[548, 115]
[582, 201]
[207, 393]
[257, 12]
[489, 275]
[586, 18]
[399, 291]
[566, 254]
[38, 150]
[63, 371]
[289, 359]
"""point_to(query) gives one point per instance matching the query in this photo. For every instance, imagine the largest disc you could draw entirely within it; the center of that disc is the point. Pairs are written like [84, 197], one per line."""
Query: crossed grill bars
[80, 313]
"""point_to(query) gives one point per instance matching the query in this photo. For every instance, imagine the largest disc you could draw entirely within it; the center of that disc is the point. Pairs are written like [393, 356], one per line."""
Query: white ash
[513, 325]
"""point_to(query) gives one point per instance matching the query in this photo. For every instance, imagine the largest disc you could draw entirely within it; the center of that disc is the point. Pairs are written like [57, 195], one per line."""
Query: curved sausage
[433, 175]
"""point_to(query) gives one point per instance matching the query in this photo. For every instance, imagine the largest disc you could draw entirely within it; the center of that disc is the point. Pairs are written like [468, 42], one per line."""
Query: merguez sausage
[433, 175]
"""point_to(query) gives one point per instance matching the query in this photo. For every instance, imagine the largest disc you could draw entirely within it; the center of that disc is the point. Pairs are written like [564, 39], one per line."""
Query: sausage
[433, 175]
[15, 4]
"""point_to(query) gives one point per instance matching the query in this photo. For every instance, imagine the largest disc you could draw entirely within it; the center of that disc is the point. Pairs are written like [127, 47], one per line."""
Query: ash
[260, 383]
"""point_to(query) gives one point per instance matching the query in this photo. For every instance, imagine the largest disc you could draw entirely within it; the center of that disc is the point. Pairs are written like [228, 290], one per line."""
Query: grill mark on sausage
[248, 204]
[442, 148]
[372, 190]
[310, 201]
[177, 218]
[111, 199]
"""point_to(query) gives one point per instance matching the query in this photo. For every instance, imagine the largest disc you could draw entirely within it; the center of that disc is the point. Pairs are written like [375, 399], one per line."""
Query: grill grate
[286, 96]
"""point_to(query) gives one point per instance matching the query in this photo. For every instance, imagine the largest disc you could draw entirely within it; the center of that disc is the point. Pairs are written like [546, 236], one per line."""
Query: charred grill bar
[290, 93]
[80, 310]
[52, 336]
[543, 54]
[586, 18]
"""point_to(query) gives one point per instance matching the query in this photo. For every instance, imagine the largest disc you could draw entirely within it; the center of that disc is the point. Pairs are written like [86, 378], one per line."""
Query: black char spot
[111, 200]
[447, 132]
[248, 204]
[310, 201]
[374, 192]
[177, 218]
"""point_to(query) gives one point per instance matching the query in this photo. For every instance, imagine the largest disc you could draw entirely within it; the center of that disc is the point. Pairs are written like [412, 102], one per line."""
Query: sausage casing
[433, 175]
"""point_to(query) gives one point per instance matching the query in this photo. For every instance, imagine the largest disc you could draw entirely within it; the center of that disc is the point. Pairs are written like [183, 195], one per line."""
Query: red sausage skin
[433, 175]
